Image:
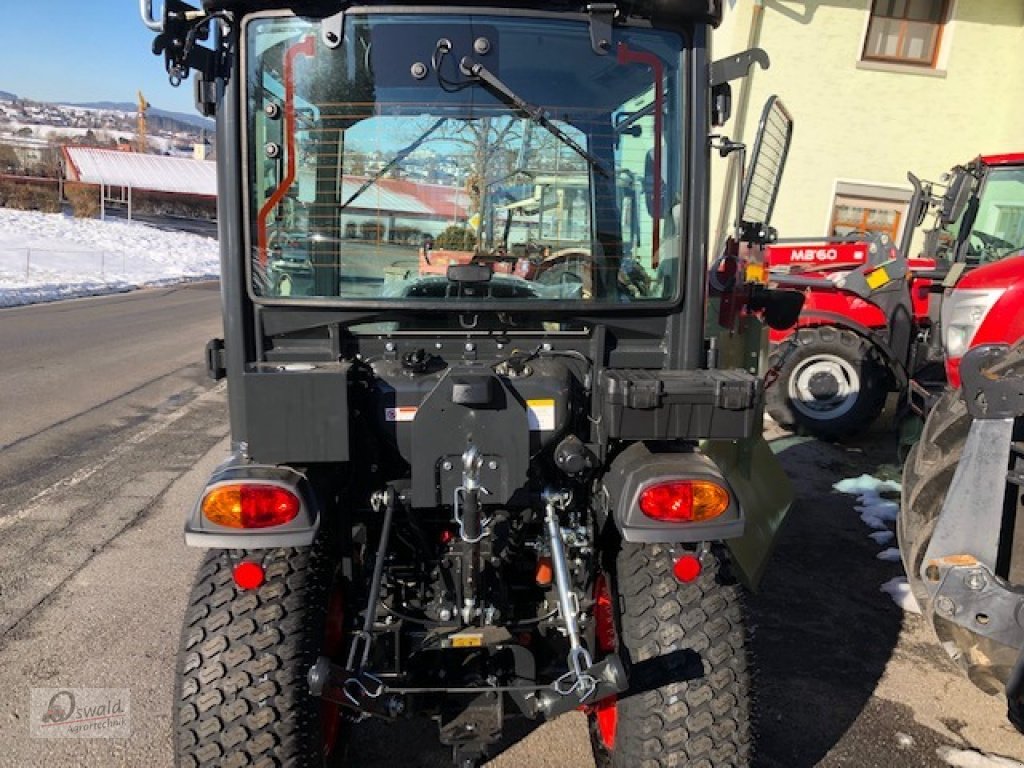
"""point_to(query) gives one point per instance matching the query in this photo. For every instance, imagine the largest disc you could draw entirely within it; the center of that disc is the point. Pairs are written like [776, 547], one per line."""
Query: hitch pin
[354, 687]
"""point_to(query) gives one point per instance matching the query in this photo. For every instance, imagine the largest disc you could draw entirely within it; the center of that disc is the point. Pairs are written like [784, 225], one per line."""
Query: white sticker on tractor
[541, 415]
[402, 413]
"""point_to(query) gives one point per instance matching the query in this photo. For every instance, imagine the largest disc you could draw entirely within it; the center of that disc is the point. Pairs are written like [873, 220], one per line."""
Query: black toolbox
[662, 405]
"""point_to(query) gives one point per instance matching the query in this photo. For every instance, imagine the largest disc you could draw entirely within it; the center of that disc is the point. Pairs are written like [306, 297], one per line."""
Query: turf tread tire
[691, 633]
[241, 697]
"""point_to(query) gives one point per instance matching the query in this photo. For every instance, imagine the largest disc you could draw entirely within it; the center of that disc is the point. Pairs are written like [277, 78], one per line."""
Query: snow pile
[890, 555]
[878, 513]
[49, 256]
[882, 537]
[875, 511]
[964, 758]
[899, 590]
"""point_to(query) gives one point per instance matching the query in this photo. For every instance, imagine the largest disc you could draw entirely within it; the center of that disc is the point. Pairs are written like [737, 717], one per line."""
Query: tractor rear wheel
[241, 696]
[927, 475]
[685, 646]
[832, 382]
[928, 471]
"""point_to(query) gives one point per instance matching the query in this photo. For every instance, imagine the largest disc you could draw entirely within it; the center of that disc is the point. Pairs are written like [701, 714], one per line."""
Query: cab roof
[1010, 158]
[667, 13]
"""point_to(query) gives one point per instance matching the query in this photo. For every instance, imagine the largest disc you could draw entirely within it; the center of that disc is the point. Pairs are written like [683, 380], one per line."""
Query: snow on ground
[899, 590]
[866, 486]
[964, 758]
[882, 537]
[50, 256]
[890, 555]
[878, 513]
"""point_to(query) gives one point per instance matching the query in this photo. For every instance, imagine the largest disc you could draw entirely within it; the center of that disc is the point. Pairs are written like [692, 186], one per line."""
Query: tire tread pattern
[241, 697]
[927, 475]
[666, 629]
[875, 380]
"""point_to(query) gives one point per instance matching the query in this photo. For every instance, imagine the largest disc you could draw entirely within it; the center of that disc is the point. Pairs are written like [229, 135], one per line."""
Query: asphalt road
[196, 226]
[110, 429]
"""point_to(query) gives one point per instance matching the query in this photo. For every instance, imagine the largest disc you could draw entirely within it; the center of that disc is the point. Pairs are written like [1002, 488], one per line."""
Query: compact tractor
[473, 493]
[855, 343]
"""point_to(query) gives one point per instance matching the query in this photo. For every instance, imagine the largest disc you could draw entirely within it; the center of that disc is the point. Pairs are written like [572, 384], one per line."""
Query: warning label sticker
[402, 413]
[541, 414]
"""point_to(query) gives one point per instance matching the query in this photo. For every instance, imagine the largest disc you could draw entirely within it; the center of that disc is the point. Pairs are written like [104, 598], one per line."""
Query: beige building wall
[866, 122]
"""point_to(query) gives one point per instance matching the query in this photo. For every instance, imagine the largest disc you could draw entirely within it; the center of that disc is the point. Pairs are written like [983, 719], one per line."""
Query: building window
[1010, 223]
[860, 208]
[905, 31]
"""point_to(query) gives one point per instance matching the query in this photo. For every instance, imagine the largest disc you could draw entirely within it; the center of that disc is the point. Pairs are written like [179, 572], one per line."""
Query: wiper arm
[489, 80]
[399, 157]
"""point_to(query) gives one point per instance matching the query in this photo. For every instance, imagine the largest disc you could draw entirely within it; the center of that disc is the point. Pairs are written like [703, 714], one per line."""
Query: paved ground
[207, 227]
[95, 480]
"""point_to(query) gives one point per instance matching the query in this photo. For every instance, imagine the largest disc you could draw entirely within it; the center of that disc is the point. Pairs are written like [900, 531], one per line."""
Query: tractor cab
[491, 413]
[980, 217]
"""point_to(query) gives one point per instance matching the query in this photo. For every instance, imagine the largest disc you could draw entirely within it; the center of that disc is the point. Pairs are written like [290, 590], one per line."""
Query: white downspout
[725, 212]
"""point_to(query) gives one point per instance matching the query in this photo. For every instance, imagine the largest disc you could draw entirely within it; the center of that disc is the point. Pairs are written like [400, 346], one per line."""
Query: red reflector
[608, 720]
[687, 568]
[684, 501]
[604, 618]
[248, 575]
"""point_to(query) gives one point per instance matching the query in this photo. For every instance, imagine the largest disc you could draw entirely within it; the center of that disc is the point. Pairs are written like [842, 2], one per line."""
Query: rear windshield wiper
[491, 82]
[399, 157]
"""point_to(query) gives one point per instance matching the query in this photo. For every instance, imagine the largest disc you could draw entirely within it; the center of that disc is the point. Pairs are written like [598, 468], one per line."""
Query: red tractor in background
[853, 346]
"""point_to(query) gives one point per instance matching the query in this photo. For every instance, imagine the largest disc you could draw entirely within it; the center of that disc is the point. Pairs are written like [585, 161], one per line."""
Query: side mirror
[958, 193]
[764, 172]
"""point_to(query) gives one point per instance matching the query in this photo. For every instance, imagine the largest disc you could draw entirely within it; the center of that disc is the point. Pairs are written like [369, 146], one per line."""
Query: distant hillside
[196, 121]
[8, 96]
[98, 124]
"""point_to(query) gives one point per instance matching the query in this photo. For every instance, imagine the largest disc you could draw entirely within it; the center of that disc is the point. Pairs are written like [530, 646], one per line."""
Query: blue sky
[83, 50]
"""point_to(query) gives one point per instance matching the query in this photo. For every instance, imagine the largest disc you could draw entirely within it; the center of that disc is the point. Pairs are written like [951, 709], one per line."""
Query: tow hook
[362, 692]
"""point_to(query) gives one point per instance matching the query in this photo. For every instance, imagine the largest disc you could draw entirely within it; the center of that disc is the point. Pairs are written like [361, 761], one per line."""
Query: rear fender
[200, 532]
[764, 494]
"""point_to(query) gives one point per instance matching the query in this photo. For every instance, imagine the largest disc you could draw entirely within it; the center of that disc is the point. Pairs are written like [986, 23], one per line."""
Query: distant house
[877, 88]
[415, 208]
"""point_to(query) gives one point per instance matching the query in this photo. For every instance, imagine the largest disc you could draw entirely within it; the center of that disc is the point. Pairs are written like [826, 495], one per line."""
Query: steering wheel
[991, 246]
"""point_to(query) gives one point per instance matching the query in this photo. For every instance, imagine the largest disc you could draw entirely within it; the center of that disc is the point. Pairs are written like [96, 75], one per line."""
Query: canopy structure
[113, 168]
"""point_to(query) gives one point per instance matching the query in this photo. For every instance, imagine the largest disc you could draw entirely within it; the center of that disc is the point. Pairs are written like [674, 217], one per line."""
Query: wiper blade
[489, 80]
[399, 157]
